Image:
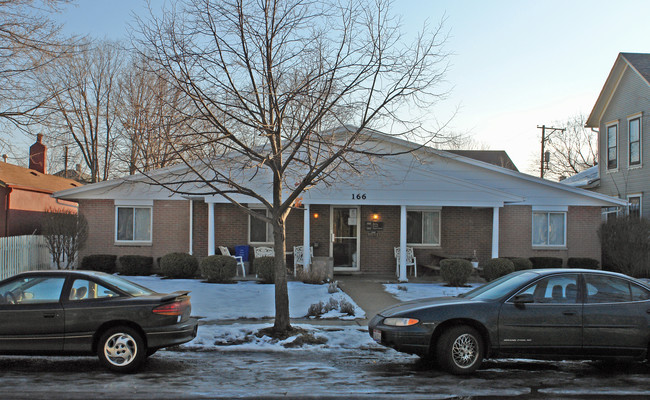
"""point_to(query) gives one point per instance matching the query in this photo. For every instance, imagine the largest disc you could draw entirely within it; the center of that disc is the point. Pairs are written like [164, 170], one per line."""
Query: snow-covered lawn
[247, 300]
[414, 291]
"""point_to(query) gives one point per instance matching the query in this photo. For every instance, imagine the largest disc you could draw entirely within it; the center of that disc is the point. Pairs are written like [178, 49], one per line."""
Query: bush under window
[218, 269]
[496, 268]
[583, 262]
[135, 265]
[100, 262]
[455, 271]
[179, 265]
[546, 262]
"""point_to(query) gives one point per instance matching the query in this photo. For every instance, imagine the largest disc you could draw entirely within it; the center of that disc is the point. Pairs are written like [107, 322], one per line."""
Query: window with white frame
[549, 228]
[634, 206]
[423, 227]
[612, 150]
[258, 230]
[634, 131]
[133, 224]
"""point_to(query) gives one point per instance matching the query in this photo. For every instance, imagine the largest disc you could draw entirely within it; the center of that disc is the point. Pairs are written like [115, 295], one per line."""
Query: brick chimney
[38, 155]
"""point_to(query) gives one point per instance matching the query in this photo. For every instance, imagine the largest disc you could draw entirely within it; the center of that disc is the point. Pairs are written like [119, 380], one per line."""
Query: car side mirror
[524, 298]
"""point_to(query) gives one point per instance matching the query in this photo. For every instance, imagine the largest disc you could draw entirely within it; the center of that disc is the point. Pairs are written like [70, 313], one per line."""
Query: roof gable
[19, 177]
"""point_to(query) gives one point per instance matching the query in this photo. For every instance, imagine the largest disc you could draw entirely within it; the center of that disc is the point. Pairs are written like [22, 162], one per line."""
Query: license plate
[376, 335]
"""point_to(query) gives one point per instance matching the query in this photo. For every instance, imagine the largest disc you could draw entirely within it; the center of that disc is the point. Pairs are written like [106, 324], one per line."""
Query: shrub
[496, 268]
[546, 262]
[135, 265]
[218, 269]
[100, 262]
[316, 309]
[521, 263]
[625, 246]
[346, 307]
[582, 262]
[333, 287]
[455, 271]
[312, 276]
[178, 265]
[265, 269]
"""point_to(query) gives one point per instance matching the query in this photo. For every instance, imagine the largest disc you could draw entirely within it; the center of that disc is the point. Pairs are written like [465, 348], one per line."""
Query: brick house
[26, 193]
[440, 203]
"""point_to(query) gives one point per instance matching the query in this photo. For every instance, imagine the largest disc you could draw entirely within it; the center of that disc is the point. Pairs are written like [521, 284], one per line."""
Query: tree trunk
[282, 321]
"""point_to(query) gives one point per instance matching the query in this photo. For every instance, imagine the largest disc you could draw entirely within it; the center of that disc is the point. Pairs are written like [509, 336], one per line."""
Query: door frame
[358, 237]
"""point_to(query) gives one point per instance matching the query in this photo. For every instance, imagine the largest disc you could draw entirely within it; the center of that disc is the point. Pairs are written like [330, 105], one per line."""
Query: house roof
[426, 177]
[496, 157]
[19, 177]
[586, 179]
[637, 62]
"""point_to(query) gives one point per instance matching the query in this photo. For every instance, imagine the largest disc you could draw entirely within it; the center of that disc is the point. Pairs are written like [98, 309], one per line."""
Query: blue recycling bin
[242, 251]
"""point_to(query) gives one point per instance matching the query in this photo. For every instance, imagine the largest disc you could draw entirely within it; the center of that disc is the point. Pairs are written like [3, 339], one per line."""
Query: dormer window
[612, 150]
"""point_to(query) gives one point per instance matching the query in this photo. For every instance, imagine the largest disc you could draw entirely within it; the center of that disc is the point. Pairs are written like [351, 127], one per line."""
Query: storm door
[344, 228]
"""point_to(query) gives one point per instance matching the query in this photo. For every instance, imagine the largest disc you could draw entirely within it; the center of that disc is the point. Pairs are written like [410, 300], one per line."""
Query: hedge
[496, 268]
[218, 269]
[582, 262]
[178, 265]
[265, 269]
[135, 265]
[521, 263]
[546, 262]
[100, 262]
[455, 271]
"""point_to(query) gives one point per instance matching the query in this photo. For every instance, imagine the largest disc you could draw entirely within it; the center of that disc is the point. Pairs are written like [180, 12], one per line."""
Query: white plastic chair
[299, 257]
[410, 260]
[240, 260]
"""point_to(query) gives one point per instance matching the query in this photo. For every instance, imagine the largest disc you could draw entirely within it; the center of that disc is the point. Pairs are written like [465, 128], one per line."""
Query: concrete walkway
[368, 292]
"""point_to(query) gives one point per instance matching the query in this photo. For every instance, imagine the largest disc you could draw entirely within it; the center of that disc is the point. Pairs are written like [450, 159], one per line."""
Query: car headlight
[401, 321]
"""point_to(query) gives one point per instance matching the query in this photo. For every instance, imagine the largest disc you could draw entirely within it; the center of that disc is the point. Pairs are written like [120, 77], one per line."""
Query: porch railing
[23, 253]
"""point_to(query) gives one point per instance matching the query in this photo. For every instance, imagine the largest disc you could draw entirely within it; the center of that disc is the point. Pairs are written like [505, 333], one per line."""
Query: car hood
[415, 305]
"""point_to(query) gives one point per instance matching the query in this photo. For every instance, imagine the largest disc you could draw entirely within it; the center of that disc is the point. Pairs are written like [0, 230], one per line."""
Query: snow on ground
[414, 291]
[247, 299]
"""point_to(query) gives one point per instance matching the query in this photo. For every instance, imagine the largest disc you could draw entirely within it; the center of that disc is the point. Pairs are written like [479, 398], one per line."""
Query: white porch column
[191, 227]
[402, 245]
[211, 229]
[305, 239]
[495, 232]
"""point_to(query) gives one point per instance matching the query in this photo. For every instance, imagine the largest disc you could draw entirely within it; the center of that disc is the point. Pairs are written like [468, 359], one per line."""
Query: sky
[515, 64]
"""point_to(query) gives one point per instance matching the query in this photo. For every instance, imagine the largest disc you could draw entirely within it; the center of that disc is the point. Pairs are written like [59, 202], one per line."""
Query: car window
[127, 286]
[607, 289]
[500, 287]
[83, 289]
[31, 290]
[639, 293]
[554, 289]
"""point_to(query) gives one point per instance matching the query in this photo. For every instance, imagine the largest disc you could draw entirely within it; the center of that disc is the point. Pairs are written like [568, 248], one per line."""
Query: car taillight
[175, 308]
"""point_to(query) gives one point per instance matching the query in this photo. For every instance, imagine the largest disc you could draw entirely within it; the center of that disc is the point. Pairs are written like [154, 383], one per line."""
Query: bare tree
[30, 43]
[84, 91]
[65, 234]
[271, 80]
[573, 150]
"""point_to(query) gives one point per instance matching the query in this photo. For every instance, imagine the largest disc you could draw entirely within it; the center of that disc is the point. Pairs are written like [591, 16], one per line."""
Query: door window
[83, 289]
[32, 290]
[554, 289]
[607, 289]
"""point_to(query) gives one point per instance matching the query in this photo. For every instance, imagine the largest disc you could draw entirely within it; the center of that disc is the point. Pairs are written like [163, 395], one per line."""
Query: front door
[344, 248]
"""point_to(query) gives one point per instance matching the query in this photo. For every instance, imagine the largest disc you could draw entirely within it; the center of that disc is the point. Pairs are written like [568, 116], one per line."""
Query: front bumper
[172, 335]
[414, 339]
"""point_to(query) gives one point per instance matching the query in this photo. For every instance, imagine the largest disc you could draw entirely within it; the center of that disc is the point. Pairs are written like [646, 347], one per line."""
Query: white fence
[23, 253]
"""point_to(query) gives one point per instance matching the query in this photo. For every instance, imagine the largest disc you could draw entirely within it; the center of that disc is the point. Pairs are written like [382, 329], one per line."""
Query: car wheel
[460, 350]
[121, 349]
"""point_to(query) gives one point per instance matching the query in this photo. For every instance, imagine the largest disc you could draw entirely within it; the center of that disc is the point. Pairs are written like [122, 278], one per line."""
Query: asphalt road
[314, 374]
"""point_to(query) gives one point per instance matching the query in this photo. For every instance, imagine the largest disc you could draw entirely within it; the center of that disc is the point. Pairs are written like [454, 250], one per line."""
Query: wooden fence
[23, 253]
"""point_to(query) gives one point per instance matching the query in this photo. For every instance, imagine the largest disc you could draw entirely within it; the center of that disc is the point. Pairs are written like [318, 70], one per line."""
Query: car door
[31, 316]
[550, 324]
[615, 316]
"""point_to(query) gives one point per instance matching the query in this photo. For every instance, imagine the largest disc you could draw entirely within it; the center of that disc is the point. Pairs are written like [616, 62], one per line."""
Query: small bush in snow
[402, 288]
[332, 304]
[312, 276]
[346, 307]
[333, 287]
[265, 269]
[315, 310]
[178, 265]
[218, 269]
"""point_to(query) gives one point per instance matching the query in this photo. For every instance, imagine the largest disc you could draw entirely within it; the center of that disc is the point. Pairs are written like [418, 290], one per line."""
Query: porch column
[211, 229]
[402, 245]
[305, 239]
[495, 232]
[191, 227]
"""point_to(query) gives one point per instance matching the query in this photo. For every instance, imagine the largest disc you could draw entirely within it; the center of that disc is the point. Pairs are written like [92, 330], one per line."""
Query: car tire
[459, 350]
[121, 349]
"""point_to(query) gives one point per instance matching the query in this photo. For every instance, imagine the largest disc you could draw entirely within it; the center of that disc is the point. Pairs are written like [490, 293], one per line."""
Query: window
[634, 130]
[36, 289]
[258, 230]
[549, 228]
[83, 289]
[612, 133]
[634, 207]
[607, 289]
[554, 289]
[133, 224]
[423, 228]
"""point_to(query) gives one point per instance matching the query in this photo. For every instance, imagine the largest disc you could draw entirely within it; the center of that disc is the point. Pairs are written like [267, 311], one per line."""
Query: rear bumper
[172, 335]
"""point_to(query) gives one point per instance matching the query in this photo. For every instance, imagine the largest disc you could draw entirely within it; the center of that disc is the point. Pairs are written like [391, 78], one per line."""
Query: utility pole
[545, 138]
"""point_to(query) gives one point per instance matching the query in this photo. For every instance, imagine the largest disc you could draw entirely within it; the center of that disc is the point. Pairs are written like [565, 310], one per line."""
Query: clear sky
[516, 64]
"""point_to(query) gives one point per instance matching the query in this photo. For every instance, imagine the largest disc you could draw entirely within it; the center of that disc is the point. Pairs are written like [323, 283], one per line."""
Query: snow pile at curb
[415, 291]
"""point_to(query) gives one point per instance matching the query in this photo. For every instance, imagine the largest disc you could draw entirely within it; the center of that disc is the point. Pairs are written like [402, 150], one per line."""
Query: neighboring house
[440, 203]
[621, 117]
[587, 179]
[26, 193]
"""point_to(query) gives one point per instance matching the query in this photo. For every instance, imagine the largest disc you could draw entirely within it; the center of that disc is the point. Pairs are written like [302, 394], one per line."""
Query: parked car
[86, 312]
[547, 313]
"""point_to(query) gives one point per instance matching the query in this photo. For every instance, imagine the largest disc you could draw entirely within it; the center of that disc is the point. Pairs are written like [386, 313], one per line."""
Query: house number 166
[358, 196]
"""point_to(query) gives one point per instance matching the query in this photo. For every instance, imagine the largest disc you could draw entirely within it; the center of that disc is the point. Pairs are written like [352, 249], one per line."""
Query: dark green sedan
[546, 314]
[86, 312]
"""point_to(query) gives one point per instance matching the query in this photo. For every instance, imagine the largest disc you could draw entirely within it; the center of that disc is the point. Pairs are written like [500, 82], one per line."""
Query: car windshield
[500, 287]
[126, 286]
